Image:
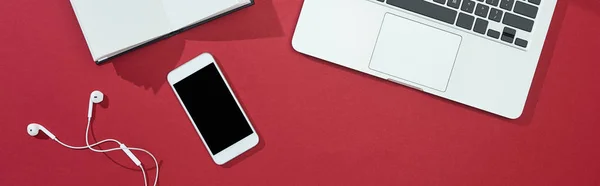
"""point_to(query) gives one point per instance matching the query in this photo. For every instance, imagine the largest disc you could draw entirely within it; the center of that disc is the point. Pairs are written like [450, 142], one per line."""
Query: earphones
[34, 128]
[96, 97]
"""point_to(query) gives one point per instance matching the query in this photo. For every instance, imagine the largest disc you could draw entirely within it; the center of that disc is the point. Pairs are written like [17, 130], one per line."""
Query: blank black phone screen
[213, 108]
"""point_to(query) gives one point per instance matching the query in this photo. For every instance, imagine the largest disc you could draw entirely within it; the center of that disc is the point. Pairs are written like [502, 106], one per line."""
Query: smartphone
[213, 109]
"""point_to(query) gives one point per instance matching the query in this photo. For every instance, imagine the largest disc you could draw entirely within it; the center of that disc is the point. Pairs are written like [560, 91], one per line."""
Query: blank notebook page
[182, 13]
[113, 25]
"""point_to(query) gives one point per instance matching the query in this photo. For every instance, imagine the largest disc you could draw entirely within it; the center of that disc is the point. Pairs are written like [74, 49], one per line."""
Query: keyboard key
[480, 0]
[507, 4]
[465, 21]
[492, 2]
[493, 33]
[517, 21]
[440, 1]
[427, 9]
[454, 3]
[508, 34]
[521, 42]
[526, 9]
[480, 26]
[468, 6]
[537, 2]
[495, 15]
[482, 10]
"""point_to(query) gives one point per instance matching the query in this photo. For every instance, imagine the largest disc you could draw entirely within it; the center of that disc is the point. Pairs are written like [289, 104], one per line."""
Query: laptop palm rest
[415, 52]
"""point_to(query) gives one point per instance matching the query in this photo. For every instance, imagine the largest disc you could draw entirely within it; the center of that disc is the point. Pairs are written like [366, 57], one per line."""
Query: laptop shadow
[148, 66]
[540, 72]
[591, 5]
[543, 64]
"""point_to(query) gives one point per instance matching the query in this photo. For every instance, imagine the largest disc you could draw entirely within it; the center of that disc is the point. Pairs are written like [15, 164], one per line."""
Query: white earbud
[95, 97]
[34, 129]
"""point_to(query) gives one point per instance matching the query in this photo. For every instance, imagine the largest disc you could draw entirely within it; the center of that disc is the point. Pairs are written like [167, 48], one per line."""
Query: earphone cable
[33, 129]
[87, 129]
[85, 147]
[88, 146]
[144, 173]
[153, 158]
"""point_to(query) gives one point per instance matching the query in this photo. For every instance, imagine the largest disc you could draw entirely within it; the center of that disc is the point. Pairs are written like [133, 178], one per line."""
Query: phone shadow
[261, 143]
[246, 155]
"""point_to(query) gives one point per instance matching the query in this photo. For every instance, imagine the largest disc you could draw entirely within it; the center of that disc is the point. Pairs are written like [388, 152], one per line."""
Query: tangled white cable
[97, 97]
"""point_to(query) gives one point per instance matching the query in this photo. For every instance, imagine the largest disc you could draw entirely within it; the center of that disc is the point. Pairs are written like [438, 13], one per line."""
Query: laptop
[481, 53]
[114, 27]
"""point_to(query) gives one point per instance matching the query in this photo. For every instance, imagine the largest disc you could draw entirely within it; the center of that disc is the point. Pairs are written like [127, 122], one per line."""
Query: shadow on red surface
[543, 64]
[591, 5]
[150, 71]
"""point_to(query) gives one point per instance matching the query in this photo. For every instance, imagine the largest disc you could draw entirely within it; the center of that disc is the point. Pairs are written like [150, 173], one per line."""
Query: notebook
[112, 27]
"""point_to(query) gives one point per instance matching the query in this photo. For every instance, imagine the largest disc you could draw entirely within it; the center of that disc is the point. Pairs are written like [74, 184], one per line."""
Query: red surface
[320, 124]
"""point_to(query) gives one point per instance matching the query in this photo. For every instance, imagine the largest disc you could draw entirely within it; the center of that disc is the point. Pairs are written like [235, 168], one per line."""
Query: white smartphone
[213, 108]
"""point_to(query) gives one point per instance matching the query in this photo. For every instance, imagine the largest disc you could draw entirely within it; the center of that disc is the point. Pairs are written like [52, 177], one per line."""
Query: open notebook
[112, 27]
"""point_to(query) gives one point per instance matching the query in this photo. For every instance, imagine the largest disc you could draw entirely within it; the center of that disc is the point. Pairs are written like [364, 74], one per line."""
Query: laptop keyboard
[478, 16]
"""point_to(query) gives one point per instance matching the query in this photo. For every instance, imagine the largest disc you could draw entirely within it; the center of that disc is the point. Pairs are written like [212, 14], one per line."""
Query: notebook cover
[176, 32]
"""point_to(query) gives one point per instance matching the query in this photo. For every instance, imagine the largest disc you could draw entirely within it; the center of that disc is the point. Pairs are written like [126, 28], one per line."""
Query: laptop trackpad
[415, 52]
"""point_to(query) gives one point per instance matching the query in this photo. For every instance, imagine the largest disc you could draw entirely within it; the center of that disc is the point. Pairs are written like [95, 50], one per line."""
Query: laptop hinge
[395, 81]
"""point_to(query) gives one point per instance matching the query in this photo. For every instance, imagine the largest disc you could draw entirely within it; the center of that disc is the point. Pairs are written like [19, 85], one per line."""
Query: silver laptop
[482, 53]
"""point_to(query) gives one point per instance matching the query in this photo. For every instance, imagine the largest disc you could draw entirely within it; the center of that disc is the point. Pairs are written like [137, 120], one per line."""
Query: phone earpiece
[34, 129]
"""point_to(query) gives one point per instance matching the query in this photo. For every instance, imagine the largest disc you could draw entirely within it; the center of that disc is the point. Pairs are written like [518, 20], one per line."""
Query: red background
[320, 124]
